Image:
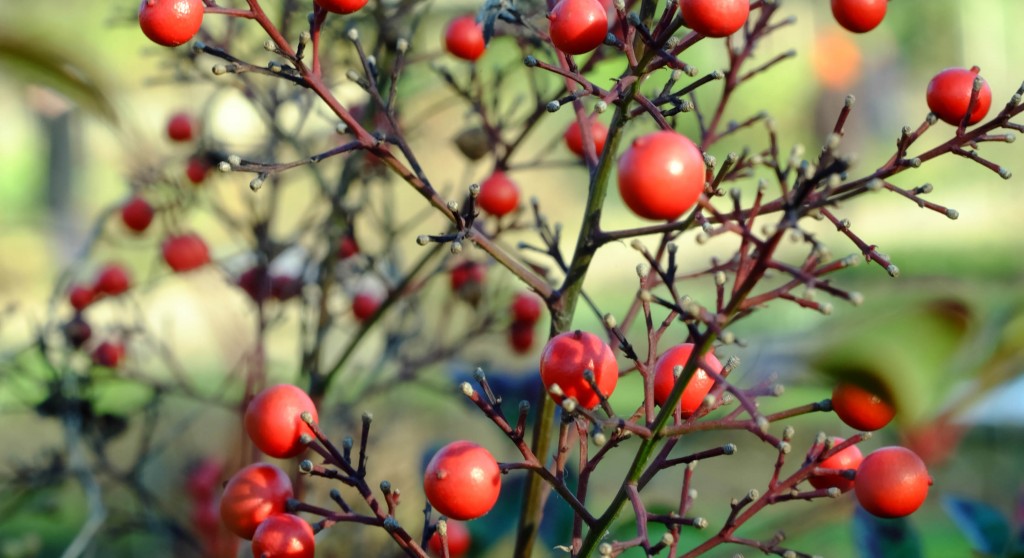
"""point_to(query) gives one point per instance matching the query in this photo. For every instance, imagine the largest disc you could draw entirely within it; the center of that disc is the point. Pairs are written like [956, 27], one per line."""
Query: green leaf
[983, 525]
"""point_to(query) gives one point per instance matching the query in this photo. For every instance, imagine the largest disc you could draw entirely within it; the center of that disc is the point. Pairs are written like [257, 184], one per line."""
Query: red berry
[715, 18]
[284, 287]
[520, 336]
[859, 16]
[696, 389]
[342, 6]
[112, 280]
[81, 296]
[462, 480]
[526, 307]
[578, 26]
[284, 536]
[170, 22]
[197, 169]
[185, 252]
[180, 127]
[348, 247]
[256, 282]
[458, 538]
[137, 214]
[848, 458]
[567, 355]
[204, 478]
[108, 353]
[860, 408]
[892, 482]
[949, 94]
[661, 176]
[253, 494]
[464, 37]
[574, 137]
[499, 195]
[467, 280]
[206, 517]
[364, 305]
[272, 420]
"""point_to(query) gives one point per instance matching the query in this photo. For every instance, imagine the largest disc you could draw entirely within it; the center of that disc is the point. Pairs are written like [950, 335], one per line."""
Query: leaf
[876, 537]
[983, 525]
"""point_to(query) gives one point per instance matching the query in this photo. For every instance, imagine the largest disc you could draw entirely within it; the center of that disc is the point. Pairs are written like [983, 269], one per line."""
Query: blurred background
[84, 102]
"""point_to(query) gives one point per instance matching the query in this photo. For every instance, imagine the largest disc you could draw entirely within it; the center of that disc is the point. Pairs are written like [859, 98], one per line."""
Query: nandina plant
[663, 156]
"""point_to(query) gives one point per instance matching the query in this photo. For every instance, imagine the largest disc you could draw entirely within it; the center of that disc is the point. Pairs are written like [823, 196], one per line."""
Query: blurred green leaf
[985, 528]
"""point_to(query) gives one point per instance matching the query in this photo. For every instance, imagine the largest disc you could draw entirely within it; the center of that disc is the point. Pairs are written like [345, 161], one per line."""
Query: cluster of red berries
[526, 310]
[254, 502]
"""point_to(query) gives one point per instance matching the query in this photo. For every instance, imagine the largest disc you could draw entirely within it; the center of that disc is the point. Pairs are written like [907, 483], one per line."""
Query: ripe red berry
[458, 538]
[462, 480]
[859, 16]
[860, 408]
[108, 353]
[137, 214]
[112, 280]
[526, 307]
[499, 195]
[696, 389]
[347, 247]
[578, 26]
[949, 94]
[661, 175]
[253, 494]
[467, 280]
[464, 37]
[204, 478]
[848, 458]
[284, 536]
[342, 6]
[364, 305]
[892, 482]
[256, 282]
[185, 252]
[80, 297]
[170, 22]
[574, 136]
[564, 360]
[196, 169]
[181, 127]
[272, 420]
[715, 18]
[520, 336]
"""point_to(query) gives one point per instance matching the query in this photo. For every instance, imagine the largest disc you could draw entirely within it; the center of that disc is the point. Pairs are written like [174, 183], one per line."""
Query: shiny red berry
[464, 37]
[848, 458]
[860, 408]
[715, 18]
[171, 22]
[365, 305]
[499, 195]
[949, 94]
[457, 535]
[108, 353]
[696, 389]
[859, 16]
[81, 297]
[578, 26]
[283, 536]
[273, 420]
[342, 6]
[253, 494]
[462, 480]
[892, 482]
[661, 175]
[565, 359]
[574, 136]
[526, 307]
[196, 169]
